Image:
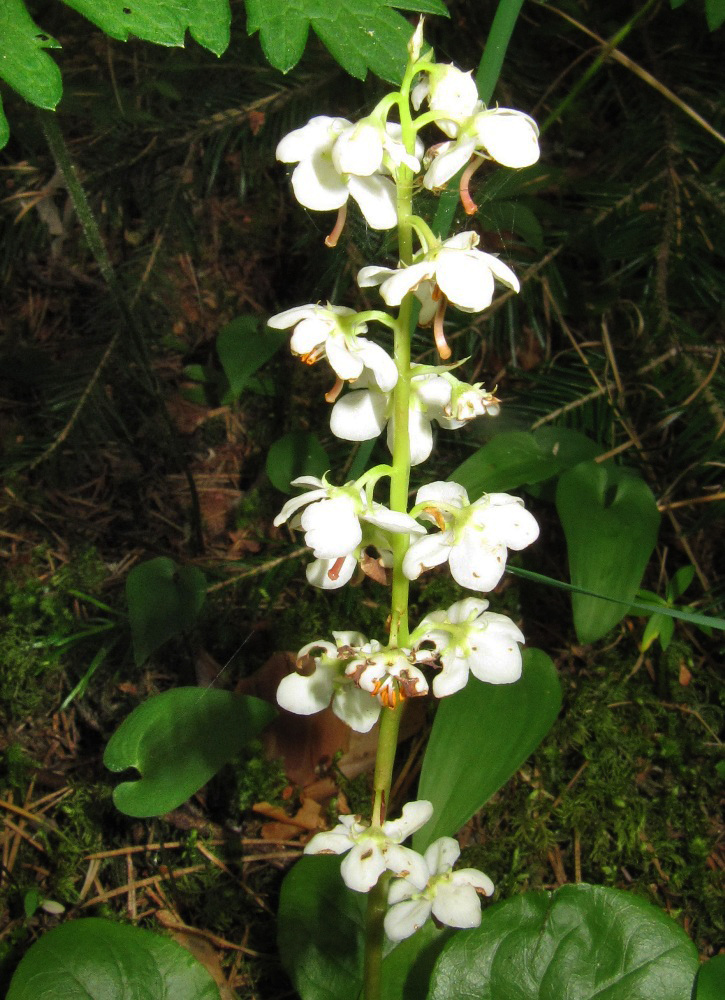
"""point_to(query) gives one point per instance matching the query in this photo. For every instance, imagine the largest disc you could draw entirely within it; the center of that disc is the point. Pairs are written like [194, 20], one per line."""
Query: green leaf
[361, 35]
[177, 741]
[321, 938]
[163, 22]
[710, 984]
[521, 458]
[715, 13]
[581, 942]
[31, 901]
[243, 348]
[610, 521]
[514, 217]
[23, 63]
[420, 6]
[480, 737]
[163, 600]
[680, 582]
[298, 453]
[96, 959]
[4, 127]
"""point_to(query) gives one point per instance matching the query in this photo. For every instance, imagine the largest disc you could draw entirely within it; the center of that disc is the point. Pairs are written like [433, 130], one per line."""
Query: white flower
[363, 413]
[332, 332]
[473, 539]
[323, 680]
[336, 159]
[389, 674]
[449, 90]
[374, 850]
[467, 637]
[464, 275]
[452, 897]
[466, 403]
[502, 134]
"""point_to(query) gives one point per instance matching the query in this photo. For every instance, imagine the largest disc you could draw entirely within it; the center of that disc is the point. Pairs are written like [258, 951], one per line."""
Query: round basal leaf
[521, 458]
[296, 454]
[178, 741]
[321, 938]
[610, 521]
[581, 942]
[243, 348]
[163, 600]
[710, 984]
[96, 959]
[480, 737]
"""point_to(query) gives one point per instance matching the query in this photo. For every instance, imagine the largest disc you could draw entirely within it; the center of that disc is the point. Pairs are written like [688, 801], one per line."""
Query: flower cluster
[374, 161]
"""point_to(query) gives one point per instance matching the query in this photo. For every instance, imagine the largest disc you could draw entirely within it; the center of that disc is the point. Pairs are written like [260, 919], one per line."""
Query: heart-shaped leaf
[163, 600]
[521, 458]
[581, 942]
[96, 959]
[177, 741]
[321, 938]
[243, 348]
[298, 453]
[480, 737]
[610, 521]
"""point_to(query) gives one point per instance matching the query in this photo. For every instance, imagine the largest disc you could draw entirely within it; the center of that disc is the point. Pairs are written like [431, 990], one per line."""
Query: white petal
[404, 280]
[359, 150]
[377, 199]
[344, 363]
[332, 528]
[505, 517]
[495, 659]
[349, 638]
[414, 816]
[457, 906]
[356, 708]
[420, 434]
[431, 390]
[500, 270]
[306, 695]
[318, 573]
[465, 278]
[405, 918]
[392, 520]
[466, 240]
[442, 492]
[476, 566]
[359, 416]
[369, 277]
[425, 553]
[290, 317]
[448, 162]
[363, 866]
[317, 185]
[329, 842]
[472, 876]
[400, 889]
[317, 134]
[467, 610]
[380, 364]
[419, 92]
[408, 864]
[453, 677]
[308, 334]
[295, 503]
[442, 855]
[510, 137]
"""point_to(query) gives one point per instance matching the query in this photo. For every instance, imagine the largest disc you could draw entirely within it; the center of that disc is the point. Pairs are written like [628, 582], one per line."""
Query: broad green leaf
[163, 22]
[298, 453]
[581, 942]
[321, 938]
[521, 458]
[97, 959]
[715, 13]
[420, 6]
[513, 216]
[610, 521]
[361, 35]
[4, 127]
[23, 63]
[680, 582]
[163, 600]
[480, 737]
[710, 983]
[243, 348]
[177, 741]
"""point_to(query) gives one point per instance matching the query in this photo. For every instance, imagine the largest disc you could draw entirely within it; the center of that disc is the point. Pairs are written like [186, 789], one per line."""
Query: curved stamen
[439, 336]
[332, 394]
[331, 240]
[469, 205]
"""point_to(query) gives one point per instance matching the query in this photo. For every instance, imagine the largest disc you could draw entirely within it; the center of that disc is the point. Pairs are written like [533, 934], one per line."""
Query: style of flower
[363, 413]
[450, 90]
[373, 850]
[450, 896]
[337, 159]
[509, 137]
[320, 679]
[389, 674]
[474, 537]
[463, 274]
[332, 332]
[466, 638]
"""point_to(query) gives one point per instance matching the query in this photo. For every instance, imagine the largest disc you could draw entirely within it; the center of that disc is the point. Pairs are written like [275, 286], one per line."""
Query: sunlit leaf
[480, 737]
[96, 959]
[711, 979]
[610, 521]
[163, 600]
[581, 942]
[177, 741]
